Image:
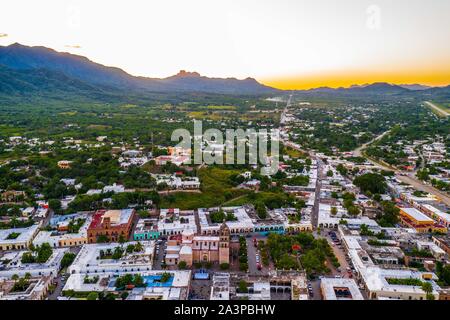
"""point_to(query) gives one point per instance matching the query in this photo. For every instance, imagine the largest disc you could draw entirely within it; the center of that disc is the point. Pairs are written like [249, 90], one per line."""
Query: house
[146, 229]
[115, 188]
[64, 164]
[12, 196]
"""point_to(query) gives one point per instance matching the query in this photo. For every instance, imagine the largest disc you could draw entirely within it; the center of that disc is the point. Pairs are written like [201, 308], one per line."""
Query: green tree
[102, 239]
[390, 214]
[118, 252]
[130, 248]
[92, 296]
[122, 239]
[428, 289]
[165, 277]
[371, 182]
[67, 259]
[55, 205]
[261, 210]
[224, 266]
[243, 286]
[353, 210]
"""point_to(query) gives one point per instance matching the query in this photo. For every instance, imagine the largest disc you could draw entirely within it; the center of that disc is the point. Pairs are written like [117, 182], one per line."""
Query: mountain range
[24, 61]
[28, 71]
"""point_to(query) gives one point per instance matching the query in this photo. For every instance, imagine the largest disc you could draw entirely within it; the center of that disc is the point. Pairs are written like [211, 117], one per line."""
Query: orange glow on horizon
[435, 78]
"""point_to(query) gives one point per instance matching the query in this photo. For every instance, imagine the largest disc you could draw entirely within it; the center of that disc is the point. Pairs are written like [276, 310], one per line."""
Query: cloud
[72, 46]
[3, 35]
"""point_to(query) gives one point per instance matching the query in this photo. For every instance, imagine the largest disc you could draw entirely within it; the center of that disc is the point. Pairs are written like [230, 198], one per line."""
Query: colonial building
[111, 225]
[192, 249]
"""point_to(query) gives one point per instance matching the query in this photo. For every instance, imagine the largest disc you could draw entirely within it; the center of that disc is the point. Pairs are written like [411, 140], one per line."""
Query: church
[193, 248]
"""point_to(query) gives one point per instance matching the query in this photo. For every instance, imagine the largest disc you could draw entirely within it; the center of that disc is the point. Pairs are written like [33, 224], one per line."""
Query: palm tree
[15, 277]
[428, 288]
[14, 221]
[27, 276]
[138, 247]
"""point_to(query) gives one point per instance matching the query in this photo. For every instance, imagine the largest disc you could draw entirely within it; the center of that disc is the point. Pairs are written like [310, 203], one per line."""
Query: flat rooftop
[416, 215]
[25, 234]
[117, 217]
[340, 289]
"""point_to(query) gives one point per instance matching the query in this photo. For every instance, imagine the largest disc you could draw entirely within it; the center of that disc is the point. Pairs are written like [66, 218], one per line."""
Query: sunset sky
[290, 44]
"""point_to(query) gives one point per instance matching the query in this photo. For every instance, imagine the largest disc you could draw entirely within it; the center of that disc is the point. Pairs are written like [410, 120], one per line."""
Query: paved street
[358, 151]
[251, 253]
[410, 179]
[340, 254]
[315, 209]
[159, 258]
[439, 110]
[315, 284]
[61, 278]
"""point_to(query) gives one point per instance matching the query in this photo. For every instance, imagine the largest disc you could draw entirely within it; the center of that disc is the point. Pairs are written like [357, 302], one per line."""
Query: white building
[176, 288]
[327, 220]
[438, 215]
[90, 261]
[175, 182]
[17, 238]
[378, 281]
[340, 289]
[115, 188]
[64, 238]
[220, 289]
[174, 221]
[14, 265]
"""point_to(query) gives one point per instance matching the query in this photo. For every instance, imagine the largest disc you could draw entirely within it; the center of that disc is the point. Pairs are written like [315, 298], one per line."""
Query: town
[358, 209]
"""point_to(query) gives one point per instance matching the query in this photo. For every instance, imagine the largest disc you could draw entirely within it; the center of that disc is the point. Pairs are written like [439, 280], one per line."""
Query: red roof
[97, 219]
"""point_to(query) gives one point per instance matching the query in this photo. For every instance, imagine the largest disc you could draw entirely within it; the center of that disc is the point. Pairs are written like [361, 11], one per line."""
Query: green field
[216, 190]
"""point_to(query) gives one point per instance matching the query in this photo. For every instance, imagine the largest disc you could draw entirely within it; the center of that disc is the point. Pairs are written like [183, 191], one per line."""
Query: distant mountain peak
[415, 86]
[187, 74]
